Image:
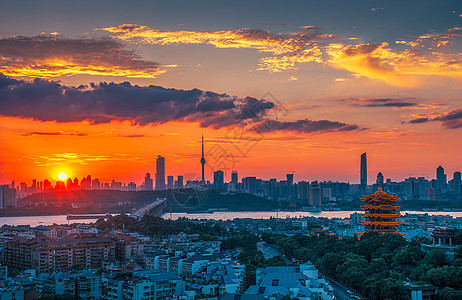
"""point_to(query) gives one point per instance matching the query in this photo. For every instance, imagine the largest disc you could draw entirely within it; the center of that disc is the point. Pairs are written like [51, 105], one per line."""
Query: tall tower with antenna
[203, 162]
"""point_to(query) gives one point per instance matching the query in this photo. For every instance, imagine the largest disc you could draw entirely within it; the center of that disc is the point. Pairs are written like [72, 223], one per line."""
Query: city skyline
[158, 183]
[307, 90]
[442, 178]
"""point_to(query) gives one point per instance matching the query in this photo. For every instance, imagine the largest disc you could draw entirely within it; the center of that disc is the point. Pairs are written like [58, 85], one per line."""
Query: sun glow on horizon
[62, 176]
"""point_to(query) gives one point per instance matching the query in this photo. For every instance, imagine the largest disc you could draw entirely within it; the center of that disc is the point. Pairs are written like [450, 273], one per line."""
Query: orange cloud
[287, 48]
[82, 158]
[52, 56]
[378, 61]
[395, 67]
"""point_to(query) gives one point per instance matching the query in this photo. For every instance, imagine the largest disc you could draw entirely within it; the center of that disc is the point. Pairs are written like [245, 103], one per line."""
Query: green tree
[392, 289]
[409, 255]
[448, 293]
[328, 263]
[436, 258]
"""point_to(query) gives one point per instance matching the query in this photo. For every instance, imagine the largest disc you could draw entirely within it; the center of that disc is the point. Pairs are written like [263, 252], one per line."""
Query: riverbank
[220, 215]
[211, 212]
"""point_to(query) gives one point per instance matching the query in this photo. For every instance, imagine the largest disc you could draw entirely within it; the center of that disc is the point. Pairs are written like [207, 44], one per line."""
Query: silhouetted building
[303, 189]
[131, 187]
[95, 184]
[160, 173]
[315, 194]
[218, 180]
[234, 177]
[250, 184]
[170, 182]
[457, 177]
[60, 186]
[47, 185]
[75, 183]
[441, 179]
[290, 179]
[85, 183]
[379, 180]
[148, 182]
[363, 172]
[179, 182]
[7, 196]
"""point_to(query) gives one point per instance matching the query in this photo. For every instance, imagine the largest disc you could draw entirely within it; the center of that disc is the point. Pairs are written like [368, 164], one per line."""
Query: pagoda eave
[379, 223]
[384, 216]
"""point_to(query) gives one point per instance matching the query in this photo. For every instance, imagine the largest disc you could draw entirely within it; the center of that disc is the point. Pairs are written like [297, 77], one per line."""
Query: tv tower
[203, 161]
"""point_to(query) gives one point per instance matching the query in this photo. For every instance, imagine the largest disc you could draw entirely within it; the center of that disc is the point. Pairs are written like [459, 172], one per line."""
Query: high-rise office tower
[148, 184]
[441, 180]
[7, 196]
[95, 184]
[218, 180]
[170, 182]
[160, 173]
[290, 179]
[234, 177]
[69, 184]
[363, 172]
[250, 184]
[315, 194]
[179, 184]
[457, 177]
[203, 162]
[303, 190]
[379, 180]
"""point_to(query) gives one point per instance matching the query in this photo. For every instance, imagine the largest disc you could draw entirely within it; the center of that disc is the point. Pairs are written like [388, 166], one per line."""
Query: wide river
[218, 215]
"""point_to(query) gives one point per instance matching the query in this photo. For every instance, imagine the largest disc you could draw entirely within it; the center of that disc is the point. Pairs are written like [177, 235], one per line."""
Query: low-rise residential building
[144, 285]
[301, 281]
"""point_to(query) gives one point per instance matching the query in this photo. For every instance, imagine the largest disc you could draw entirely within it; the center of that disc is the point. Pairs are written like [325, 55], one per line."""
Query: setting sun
[62, 176]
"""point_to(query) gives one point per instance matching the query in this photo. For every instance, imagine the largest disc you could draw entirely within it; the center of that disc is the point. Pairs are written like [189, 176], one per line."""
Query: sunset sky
[103, 87]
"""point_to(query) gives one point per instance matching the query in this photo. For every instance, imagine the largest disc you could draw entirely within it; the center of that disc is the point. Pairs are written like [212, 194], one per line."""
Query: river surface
[218, 215]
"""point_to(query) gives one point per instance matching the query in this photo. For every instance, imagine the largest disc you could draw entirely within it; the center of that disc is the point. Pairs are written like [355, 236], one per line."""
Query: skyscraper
[148, 182]
[218, 180]
[303, 189]
[203, 162]
[170, 182]
[234, 177]
[363, 175]
[457, 177]
[179, 184]
[441, 179]
[380, 179]
[290, 178]
[160, 173]
[315, 194]
[7, 196]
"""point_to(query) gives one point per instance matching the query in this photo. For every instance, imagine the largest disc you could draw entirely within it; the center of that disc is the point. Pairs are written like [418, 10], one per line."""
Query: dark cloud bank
[104, 102]
[450, 120]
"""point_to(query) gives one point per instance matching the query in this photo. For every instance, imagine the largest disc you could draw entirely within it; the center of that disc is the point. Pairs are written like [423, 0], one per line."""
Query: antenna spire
[203, 161]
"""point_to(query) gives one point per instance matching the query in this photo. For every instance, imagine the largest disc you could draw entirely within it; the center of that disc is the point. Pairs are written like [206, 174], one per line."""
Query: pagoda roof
[380, 196]
[380, 207]
[381, 223]
[378, 215]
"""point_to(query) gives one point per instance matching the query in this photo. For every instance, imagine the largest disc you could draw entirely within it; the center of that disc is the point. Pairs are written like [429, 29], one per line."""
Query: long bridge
[154, 209]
